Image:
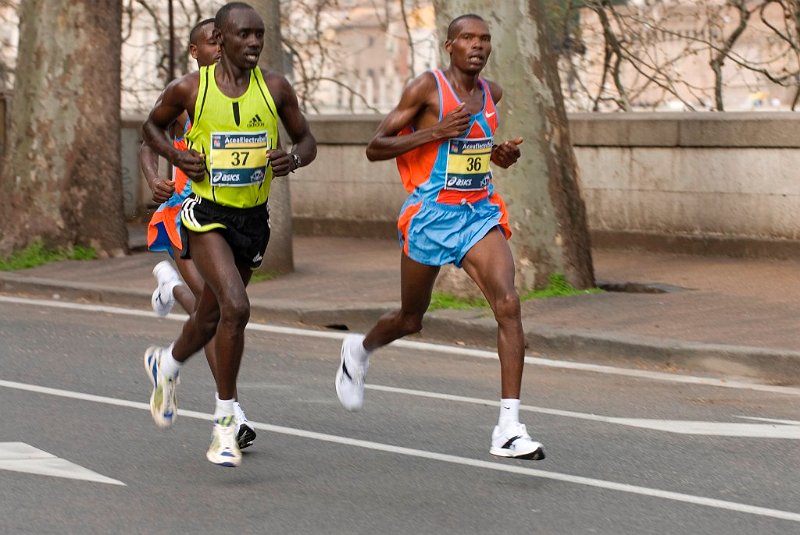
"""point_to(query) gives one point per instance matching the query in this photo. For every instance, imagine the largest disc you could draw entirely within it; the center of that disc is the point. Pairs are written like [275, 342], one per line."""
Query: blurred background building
[355, 56]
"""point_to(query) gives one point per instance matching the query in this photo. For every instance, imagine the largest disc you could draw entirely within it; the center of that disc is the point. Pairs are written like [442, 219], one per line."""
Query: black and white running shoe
[515, 442]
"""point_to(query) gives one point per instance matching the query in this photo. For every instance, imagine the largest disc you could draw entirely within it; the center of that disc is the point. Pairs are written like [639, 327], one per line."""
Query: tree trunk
[280, 254]
[542, 191]
[62, 173]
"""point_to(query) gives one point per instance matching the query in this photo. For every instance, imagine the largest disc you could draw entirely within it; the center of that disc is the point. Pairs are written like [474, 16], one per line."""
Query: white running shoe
[514, 441]
[245, 434]
[163, 400]
[167, 278]
[223, 449]
[350, 377]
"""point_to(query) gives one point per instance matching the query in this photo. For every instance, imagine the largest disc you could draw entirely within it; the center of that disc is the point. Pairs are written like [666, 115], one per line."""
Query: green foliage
[441, 300]
[82, 253]
[259, 276]
[557, 286]
[36, 254]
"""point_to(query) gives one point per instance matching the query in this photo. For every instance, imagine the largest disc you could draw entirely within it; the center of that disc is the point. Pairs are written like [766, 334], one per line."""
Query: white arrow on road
[21, 457]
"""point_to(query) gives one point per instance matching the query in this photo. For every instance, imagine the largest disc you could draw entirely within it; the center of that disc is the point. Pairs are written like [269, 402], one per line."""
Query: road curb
[771, 365]
[473, 328]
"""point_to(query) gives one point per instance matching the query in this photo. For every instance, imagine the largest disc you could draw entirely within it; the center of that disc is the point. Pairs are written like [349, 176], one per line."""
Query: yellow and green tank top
[234, 134]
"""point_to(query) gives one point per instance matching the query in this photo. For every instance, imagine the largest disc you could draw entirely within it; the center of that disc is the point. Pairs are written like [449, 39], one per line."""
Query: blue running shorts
[436, 234]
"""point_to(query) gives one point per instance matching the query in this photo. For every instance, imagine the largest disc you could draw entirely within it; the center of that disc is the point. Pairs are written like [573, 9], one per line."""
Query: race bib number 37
[238, 159]
[468, 164]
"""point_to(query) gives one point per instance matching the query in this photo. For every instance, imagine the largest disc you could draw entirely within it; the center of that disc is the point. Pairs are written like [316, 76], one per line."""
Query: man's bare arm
[161, 188]
[304, 144]
[386, 144]
[148, 160]
[172, 102]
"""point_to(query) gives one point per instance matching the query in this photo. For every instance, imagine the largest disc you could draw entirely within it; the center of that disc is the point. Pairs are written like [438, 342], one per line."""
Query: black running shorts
[245, 229]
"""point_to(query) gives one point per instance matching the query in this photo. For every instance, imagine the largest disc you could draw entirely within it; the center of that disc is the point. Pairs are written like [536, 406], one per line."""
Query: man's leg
[416, 286]
[222, 312]
[188, 297]
[490, 264]
[225, 285]
[163, 364]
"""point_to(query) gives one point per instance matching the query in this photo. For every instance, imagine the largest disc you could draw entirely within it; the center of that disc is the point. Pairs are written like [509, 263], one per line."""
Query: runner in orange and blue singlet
[442, 135]
[452, 203]
[163, 232]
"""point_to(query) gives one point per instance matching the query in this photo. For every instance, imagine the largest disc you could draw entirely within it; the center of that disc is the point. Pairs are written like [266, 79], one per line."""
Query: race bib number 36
[238, 159]
[468, 164]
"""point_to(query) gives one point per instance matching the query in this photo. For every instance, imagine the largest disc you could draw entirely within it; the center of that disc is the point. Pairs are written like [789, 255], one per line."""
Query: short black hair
[451, 28]
[222, 15]
[194, 34]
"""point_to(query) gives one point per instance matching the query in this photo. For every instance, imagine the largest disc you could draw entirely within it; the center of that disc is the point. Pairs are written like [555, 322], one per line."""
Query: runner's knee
[207, 324]
[236, 313]
[410, 323]
[507, 307]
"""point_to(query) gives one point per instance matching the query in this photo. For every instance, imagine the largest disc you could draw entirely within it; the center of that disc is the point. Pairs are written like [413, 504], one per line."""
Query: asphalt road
[626, 453]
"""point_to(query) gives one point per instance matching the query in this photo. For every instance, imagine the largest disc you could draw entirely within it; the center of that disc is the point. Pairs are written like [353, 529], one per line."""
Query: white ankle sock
[169, 366]
[509, 412]
[224, 407]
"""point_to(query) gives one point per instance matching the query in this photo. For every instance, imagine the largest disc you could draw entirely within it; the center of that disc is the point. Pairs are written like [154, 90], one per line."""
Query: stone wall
[688, 182]
[715, 183]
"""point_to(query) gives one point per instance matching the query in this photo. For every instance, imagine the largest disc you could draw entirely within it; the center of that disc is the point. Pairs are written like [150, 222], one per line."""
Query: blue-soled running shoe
[163, 401]
[224, 451]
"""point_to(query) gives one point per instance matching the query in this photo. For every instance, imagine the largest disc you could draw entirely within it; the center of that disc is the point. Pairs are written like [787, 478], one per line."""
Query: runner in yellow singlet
[163, 232]
[234, 152]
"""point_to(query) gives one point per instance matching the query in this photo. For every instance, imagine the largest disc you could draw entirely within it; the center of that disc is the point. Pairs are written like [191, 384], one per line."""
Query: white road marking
[787, 422]
[21, 457]
[438, 348]
[452, 459]
[787, 429]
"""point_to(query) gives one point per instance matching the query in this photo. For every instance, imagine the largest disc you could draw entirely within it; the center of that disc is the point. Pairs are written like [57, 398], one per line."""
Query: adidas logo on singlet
[255, 121]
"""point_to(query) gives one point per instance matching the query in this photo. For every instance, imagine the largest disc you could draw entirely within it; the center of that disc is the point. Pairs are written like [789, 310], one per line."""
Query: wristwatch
[295, 160]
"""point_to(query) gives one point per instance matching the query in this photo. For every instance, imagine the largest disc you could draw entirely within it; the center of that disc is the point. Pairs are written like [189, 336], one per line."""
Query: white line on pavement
[438, 348]
[452, 459]
[781, 429]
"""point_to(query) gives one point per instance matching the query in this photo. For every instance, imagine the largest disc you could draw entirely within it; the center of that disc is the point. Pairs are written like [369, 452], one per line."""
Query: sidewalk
[718, 316]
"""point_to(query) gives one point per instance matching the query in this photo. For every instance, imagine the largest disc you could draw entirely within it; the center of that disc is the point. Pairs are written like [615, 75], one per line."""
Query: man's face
[242, 38]
[470, 48]
[206, 50]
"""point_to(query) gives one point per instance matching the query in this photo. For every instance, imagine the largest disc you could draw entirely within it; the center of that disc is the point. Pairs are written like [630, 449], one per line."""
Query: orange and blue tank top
[163, 231]
[180, 178]
[454, 170]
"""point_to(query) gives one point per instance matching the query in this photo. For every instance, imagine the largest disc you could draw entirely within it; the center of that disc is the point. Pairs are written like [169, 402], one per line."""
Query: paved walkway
[718, 316]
